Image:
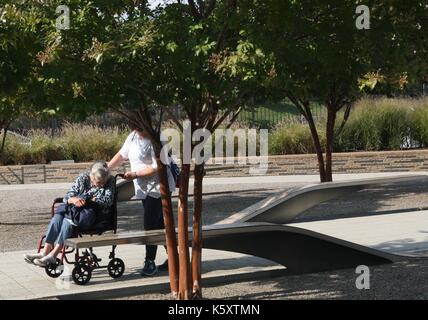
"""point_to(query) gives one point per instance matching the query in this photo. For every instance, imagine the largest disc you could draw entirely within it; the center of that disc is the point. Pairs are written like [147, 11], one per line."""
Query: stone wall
[44, 173]
[355, 162]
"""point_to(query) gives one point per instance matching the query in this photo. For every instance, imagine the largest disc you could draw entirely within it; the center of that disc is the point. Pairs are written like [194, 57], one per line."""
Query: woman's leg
[153, 220]
[54, 230]
[65, 233]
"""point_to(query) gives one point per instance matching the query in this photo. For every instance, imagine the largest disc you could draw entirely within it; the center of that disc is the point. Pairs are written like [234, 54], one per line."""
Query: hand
[80, 203]
[77, 202]
[73, 200]
[130, 176]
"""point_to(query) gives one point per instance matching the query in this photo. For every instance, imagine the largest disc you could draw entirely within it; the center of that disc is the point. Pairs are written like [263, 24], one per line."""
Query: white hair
[100, 171]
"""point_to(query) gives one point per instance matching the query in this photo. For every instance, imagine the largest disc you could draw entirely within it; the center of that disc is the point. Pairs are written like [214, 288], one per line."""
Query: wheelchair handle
[120, 175]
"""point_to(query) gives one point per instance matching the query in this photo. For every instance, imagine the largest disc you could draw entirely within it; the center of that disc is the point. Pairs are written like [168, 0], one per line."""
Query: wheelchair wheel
[84, 261]
[55, 270]
[115, 268]
[81, 274]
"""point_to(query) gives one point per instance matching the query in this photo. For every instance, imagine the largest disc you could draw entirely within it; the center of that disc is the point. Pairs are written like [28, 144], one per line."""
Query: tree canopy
[19, 45]
[319, 54]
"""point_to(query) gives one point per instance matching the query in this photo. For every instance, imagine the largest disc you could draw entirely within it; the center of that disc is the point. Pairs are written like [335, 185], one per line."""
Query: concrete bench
[260, 230]
[285, 207]
[298, 250]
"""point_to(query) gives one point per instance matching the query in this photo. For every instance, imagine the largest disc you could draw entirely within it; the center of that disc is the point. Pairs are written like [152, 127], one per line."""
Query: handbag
[175, 171]
[83, 217]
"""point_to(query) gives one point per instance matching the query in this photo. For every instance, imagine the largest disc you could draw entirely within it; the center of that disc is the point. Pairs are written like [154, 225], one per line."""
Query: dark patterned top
[83, 188]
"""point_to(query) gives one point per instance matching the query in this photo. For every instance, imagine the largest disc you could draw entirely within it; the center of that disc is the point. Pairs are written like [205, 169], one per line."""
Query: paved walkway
[401, 233]
[310, 178]
[20, 280]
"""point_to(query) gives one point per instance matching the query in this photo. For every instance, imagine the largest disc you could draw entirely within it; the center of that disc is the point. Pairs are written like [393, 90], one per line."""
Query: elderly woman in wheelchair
[91, 195]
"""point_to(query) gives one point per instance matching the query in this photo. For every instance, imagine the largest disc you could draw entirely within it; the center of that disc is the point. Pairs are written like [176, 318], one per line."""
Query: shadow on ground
[401, 280]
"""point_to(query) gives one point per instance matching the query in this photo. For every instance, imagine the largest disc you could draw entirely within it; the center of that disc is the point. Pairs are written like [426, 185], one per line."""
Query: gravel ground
[401, 280]
[24, 216]
[389, 198]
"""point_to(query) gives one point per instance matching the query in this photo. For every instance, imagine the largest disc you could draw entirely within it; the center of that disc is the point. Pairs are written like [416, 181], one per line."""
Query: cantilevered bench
[299, 250]
[260, 231]
[285, 207]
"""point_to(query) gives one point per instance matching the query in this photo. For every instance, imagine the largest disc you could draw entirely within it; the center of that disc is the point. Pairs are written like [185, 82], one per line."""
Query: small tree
[137, 62]
[212, 69]
[105, 61]
[19, 44]
[320, 55]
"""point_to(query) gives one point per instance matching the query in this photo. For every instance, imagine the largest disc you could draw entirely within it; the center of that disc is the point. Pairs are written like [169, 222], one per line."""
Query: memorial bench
[298, 250]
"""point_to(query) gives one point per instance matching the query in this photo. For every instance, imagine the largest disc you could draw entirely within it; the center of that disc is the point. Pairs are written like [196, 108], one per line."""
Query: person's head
[141, 132]
[100, 173]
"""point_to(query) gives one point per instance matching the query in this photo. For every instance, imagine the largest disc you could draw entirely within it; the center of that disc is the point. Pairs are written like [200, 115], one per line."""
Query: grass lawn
[269, 114]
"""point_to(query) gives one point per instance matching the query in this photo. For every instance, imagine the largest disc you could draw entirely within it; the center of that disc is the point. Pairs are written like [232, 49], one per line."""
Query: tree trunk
[318, 148]
[331, 119]
[4, 138]
[168, 217]
[197, 232]
[170, 234]
[183, 235]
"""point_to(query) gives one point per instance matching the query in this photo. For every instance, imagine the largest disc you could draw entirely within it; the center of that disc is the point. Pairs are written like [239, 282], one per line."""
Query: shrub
[292, 139]
[378, 124]
[87, 143]
[374, 124]
[419, 118]
[15, 152]
[74, 142]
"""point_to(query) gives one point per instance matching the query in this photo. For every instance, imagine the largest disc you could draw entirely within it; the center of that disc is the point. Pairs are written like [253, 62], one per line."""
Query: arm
[149, 171]
[71, 196]
[141, 173]
[116, 161]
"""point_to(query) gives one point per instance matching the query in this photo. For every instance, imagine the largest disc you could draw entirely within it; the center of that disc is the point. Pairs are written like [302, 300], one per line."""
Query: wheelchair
[87, 262]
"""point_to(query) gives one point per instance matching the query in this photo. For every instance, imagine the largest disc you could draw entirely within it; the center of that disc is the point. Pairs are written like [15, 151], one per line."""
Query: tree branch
[174, 119]
[194, 10]
[234, 117]
[345, 118]
[297, 103]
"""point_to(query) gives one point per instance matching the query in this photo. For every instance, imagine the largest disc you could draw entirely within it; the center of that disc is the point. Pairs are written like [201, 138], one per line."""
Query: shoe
[31, 257]
[45, 261]
[150, 268]
[163, 266]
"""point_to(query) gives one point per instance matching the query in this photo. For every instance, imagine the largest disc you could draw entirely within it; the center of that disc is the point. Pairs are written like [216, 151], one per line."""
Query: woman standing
[140, 153]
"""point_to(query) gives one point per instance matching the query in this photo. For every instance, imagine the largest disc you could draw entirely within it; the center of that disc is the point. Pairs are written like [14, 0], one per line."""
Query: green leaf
[171, 46]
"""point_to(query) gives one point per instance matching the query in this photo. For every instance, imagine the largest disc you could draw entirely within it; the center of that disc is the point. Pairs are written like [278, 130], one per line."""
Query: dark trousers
[153, 220]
